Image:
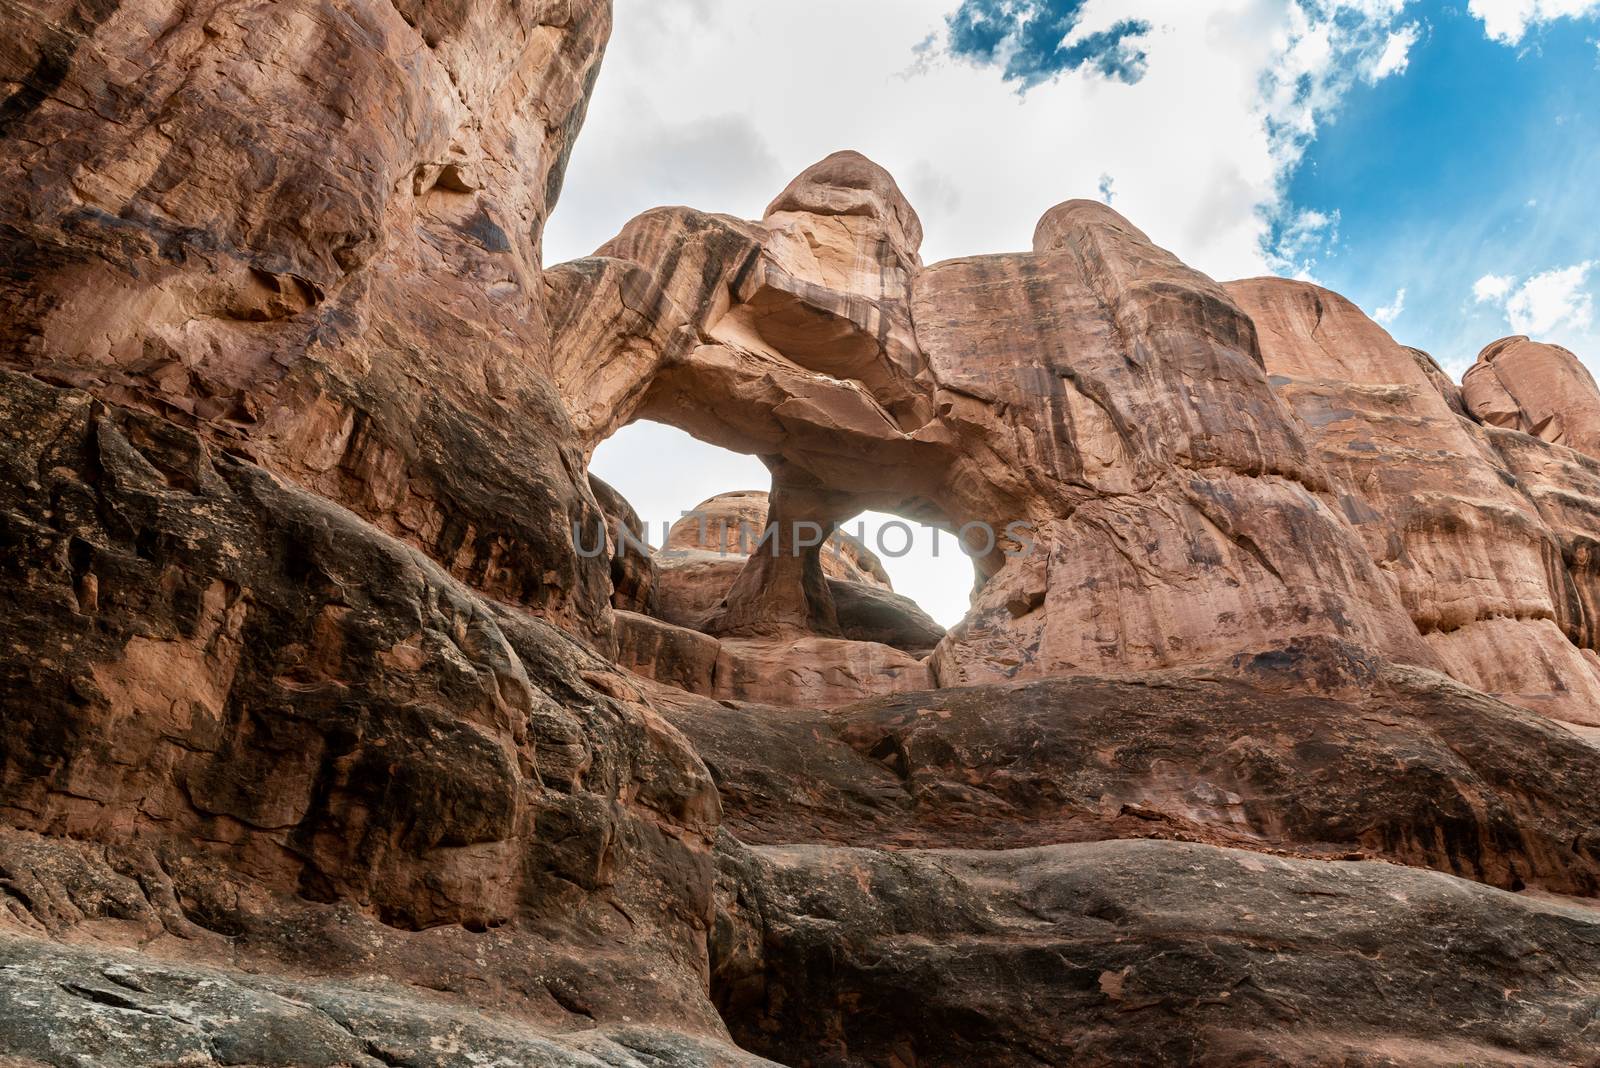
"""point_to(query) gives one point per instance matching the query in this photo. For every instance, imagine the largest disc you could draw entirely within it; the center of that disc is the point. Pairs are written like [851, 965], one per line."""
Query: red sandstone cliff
[326, 745]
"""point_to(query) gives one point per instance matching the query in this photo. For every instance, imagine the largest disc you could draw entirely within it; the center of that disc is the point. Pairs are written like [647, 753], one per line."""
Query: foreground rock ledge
[324, 743]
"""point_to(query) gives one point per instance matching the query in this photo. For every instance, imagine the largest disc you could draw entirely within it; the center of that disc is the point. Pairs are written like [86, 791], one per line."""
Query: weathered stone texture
[334, 735]
[1442, 506]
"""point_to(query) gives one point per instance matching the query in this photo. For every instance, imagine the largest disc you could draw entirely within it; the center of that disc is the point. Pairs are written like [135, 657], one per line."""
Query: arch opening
[664, 472]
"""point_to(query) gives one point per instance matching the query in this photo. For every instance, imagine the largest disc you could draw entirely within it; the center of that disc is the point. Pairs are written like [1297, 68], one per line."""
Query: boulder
[1542, 390]
[872, 613]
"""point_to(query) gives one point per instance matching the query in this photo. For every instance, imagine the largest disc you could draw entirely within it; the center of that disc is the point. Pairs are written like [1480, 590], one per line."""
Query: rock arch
[1095, 389]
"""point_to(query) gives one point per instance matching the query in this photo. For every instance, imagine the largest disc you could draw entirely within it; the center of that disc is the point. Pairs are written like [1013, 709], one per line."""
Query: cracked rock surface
[329, 737]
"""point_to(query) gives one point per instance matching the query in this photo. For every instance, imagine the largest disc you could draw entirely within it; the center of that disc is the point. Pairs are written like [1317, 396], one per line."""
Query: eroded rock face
[886, 654]
[206, 1016]
[1205, 473]
[310, 231]
[735, 524]
[1175, 523]
[707, 552]
[286, 515]
[1223, 957]
[268, 717]
[1042, 828]
[635, 580]
[328, 741]
[1004, 393]
[1443, 509]
[1291, 751]
[869, 643]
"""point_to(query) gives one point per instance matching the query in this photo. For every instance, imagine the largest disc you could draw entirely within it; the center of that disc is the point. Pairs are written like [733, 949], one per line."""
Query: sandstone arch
[1095, 389]
[314, 751]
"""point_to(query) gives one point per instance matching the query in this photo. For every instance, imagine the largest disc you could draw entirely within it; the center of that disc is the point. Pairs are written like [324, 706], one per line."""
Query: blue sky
[1463, 164]
[1480, 159]
[1437, 162]
[1046, 42]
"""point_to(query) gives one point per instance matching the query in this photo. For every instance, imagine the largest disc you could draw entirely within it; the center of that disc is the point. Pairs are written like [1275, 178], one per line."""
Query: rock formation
[310, 232]
[707, 549]
[335, 737]
[706, 552]
[1538, 389]
[1492, 577]
[1010, 407]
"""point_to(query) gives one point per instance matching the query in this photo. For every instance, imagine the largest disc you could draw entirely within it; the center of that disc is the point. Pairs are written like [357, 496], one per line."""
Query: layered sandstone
[1443, 509]
[330, 740]
[310, 231]
[242, 719]
[706, 551]
[1145, 953]
[1033, 396]
[872, 641]
[287, 513]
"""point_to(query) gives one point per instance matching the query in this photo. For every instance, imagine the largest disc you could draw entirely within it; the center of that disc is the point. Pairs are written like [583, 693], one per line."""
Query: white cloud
[931, 189]
[1391, 311]
[1300, 238]
[1492, 288]
[714, 161]
[1199, 155]
[1509, 20]
[1555, 305]
[1553, 301]
[1396, 54]
[1322, 48]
